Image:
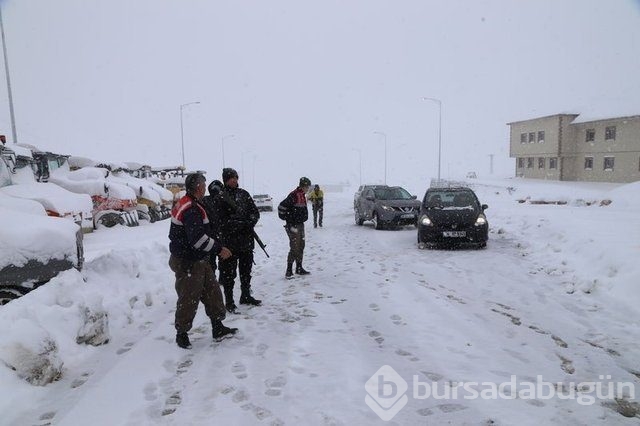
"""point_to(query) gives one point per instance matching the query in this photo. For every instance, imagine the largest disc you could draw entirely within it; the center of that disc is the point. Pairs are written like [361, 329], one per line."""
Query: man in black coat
[214, 191]
[235, 217]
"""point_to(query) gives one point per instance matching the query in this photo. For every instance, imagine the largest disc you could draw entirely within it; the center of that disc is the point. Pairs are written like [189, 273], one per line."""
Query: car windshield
[261, 196]
[450, 200]
[395, 193]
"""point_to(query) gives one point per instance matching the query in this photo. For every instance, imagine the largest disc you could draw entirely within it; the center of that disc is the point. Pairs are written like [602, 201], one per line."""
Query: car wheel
[359, 220]
[9, 294]
[377, 223]
[482, 245]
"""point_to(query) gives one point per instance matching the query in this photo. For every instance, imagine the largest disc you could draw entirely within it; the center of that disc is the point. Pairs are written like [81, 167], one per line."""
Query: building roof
[540, 118]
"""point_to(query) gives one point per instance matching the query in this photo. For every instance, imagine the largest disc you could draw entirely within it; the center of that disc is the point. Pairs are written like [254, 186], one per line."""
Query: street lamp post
[439, 130]
[182, 129]
[223, 138]
[385, 154]
[9, 95]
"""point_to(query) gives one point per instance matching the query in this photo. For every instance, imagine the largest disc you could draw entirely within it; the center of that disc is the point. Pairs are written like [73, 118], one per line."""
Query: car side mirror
[413, 197]
[369, 197]
[484, 207]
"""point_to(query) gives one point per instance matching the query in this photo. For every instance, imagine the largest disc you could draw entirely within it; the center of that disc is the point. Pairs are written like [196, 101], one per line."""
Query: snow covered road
[436, 317]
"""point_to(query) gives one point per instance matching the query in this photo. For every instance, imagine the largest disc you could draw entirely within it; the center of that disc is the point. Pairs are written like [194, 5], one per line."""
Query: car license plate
[407, 216]
[454, 233]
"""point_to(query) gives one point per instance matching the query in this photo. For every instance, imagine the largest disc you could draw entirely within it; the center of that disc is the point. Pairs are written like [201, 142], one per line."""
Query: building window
[609, 162]
[553, 163]
[610, 133]
[521, 163]
[590, 135]
[532, 137]
[541, 163]
[588, 163]
[540, 136]
[523, 138]
[530, 163]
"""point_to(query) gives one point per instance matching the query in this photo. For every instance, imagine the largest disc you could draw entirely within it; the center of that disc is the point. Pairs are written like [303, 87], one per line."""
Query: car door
[367, 201]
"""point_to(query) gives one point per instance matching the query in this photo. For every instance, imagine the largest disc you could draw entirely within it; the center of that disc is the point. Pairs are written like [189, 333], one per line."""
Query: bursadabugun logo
[386, 393]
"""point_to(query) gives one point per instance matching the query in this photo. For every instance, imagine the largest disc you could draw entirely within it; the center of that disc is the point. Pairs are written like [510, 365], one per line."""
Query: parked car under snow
[34, 247]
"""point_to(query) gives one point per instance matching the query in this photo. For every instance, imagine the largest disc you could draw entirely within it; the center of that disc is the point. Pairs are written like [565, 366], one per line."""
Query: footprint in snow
[260, 412]
[377, 336]
[127, 347]
[150, 392]
[80, 380]
[171, 404]
[239, 370]
[261, 349]
[397, 319]
[274, 386]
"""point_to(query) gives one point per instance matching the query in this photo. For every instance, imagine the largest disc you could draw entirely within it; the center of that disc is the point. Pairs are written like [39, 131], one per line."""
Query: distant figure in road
[293, 210]
[317, 204]
[190, 245]
[235, 216]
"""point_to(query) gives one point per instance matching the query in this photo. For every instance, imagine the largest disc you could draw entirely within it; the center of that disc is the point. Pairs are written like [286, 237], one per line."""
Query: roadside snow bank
[62, 320]
[593, 246]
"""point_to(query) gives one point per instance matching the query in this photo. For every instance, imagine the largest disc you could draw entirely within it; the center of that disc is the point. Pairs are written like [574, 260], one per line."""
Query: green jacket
[316, 197]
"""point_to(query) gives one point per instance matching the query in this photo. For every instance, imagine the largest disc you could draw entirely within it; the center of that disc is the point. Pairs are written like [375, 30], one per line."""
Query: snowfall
[381, 332]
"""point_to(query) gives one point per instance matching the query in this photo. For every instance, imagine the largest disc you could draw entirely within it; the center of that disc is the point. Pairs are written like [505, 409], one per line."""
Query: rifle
[260, 243]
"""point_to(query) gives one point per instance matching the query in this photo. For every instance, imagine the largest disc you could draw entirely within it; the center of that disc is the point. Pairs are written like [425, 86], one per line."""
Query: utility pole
[490, 164]
[6, 71]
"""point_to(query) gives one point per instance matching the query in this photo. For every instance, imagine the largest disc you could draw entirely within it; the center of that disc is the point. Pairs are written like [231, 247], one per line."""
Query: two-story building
[559, 147]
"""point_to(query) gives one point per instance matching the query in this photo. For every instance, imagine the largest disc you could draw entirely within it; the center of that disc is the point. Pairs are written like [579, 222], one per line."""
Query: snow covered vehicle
[154, 201]
[34, 247]
[19, 179]
[113, 202]
[172, 178]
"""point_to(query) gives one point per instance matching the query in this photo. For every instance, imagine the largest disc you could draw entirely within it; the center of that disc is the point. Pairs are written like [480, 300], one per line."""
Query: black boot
[228, 299]
[289, 273]
[231, 307]
[182, 339]
[247, 299]
[301, 271]
[219, 330]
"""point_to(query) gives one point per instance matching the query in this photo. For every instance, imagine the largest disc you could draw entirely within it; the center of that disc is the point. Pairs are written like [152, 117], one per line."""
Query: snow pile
[593, 245]
[31, 353]
[35, 237]
[74, 311]
[92, 181]
[52, 197]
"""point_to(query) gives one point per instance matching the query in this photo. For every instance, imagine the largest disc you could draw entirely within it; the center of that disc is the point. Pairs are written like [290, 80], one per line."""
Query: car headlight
[386, 207]
[424, 220]
[481, 220]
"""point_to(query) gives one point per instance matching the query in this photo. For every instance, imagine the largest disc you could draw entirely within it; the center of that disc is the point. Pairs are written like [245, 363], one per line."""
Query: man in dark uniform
[190, 245]
[214, 190]
[294, 211]
[235, 217]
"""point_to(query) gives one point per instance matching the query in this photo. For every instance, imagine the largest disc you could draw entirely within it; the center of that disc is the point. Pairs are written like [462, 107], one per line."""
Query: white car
[263, 202]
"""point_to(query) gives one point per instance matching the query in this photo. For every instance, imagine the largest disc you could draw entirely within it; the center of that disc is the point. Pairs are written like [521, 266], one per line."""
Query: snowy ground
[553, 295]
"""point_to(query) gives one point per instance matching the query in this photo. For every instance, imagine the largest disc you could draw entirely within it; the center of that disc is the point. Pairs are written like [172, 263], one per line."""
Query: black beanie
[228, 173]
[304, 181]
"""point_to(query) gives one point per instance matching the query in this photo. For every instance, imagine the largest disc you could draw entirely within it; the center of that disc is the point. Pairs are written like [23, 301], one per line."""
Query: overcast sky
[304, 85]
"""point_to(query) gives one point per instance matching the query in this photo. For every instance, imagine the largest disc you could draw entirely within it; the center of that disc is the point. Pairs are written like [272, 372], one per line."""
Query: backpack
[283, 210]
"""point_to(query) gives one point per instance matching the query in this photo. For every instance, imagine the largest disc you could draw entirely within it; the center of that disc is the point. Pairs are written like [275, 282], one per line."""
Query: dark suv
[452, 216]
[386, 206]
